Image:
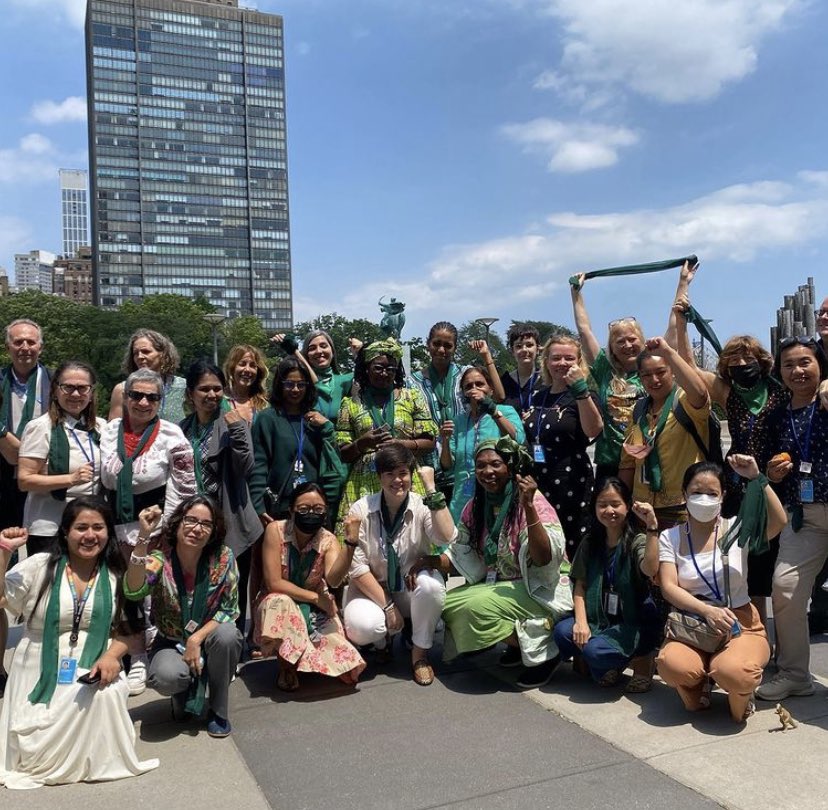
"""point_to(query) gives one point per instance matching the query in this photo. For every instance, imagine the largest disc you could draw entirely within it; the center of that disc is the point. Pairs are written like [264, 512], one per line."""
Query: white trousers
[365, 619]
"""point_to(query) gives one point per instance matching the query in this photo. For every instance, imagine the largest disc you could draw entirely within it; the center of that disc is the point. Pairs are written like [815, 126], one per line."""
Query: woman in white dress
[55, 729]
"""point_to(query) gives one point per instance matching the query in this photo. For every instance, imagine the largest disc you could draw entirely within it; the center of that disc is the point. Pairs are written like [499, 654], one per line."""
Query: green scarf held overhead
[384, 416]
[691, 315]
[495, 524]
[652, 463]
[28, 405]
[124, 502]
[443, 390]
[634, 269]
[58, 459]
[391, 529]
[299, 568]
[97, 635]
[193, 611]
[750, 528]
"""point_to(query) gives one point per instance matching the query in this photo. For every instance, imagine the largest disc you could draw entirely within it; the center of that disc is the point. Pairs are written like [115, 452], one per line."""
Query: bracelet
[137, 559]
[350, 544]
[579, 388]
[6, 548]
[435, 501]
[141, 539]
[389, 605]
[585, 396]
[529, 525]
[652, 528]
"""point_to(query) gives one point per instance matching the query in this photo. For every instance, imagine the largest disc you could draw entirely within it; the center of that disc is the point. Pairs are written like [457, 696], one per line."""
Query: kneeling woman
[610, 574]
[698, 577]
[386, 534]
[296, 618]
[55, 730]
[195, 603]
[509, 549]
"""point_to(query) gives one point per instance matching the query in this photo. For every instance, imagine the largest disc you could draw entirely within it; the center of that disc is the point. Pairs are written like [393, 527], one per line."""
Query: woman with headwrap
[381, 410]
[509, 549]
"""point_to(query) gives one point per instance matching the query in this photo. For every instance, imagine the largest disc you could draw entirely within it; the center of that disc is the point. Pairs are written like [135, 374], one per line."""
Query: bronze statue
[393, 317]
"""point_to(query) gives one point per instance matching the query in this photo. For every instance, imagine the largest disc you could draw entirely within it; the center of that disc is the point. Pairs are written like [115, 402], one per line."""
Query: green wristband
[579, 388]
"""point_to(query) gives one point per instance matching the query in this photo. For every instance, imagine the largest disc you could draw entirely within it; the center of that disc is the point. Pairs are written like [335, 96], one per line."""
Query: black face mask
[746, 376]
[310, 523]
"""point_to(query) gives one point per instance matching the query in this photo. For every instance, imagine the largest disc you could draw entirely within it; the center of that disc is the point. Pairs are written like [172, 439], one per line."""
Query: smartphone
[89, 679]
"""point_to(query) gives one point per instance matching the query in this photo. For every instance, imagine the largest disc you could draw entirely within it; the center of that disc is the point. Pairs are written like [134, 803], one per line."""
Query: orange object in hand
[781, 457]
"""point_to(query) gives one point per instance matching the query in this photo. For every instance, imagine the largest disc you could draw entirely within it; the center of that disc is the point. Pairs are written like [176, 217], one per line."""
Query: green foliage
[246, 330]
[474, 331]
[340, 329]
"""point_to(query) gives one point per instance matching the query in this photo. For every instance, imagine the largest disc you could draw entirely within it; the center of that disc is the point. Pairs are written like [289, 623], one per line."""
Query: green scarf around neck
[380, 416]
[652, 463]
[495, 523]
[28, 405]
[391, 528]
[58, 459]
[754, 399]
[443, 390]
[193, 611]
[97, 635]
[124, 500]
[300, 564]
[196, 433]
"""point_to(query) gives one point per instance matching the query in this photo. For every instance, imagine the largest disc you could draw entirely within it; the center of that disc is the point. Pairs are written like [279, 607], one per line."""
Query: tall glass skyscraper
[188, 155]
[74, 210]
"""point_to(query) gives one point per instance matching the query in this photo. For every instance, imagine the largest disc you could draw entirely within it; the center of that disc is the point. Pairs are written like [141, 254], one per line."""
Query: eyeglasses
[787, 342]
[311, 510]
[83, 390]
[822, 313]
[137, 396]
[293, 385]
[191, 523]
[380, 368]
[621, 320]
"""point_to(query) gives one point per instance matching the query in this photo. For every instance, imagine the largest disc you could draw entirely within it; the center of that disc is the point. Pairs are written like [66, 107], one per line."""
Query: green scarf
[750, 528]
[634, 269]
[124, 501]
[754, 399]
[193, 611]
[28, 405]
[495, 524]
[691, 315]
[59, 453]
[388, 347]
[96, 637]
[299, 568]
[197, 433]
[652, 463]
[623, 636]
[443, 391]
[384, 416]
[391, 529]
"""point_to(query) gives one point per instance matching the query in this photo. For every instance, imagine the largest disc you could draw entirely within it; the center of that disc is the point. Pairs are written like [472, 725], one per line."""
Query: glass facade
[188, 155]
[74, 206]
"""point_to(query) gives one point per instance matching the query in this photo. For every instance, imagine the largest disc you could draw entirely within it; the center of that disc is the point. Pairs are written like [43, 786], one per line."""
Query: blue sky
[469, 156]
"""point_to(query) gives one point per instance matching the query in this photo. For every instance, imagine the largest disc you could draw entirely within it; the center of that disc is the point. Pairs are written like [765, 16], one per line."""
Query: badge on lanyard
[67, 669]
[806, 490]
[491, 576]
[805, 467]
[468, 487]
[191, 626]
[539, 453]
[612, 603]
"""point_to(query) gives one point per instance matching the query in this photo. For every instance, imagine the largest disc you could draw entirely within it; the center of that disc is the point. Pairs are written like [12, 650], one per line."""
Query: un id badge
[67, 669]
[191, 626]
[538, 453]
[806, 490]
[491, 576]
[468, 487]
[612, 604]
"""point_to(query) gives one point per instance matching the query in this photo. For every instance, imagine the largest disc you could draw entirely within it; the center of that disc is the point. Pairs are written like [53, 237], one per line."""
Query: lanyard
[609, 570]
[78, 604]
[91, 456]
[805, 447]
[555, 407]
[300, 437]
[714, 588]
[530, 386]
[476, 434]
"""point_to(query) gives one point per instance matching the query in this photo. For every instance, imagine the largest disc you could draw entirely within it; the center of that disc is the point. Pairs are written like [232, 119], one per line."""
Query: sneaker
[780, 686]
[535, 677]
[137, 675]
[510, 658]
[218, 726]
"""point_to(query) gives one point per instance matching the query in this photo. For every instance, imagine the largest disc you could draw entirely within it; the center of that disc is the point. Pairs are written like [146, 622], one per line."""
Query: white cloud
[69, 110]
[32, 161]
[15, 237]
[571, 147]
[668, 51]
[72, 10]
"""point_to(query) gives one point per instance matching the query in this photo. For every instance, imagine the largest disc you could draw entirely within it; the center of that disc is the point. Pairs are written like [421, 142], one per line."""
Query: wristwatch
[3, 431]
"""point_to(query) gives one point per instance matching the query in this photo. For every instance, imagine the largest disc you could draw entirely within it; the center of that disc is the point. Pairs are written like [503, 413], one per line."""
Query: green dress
[331, 389]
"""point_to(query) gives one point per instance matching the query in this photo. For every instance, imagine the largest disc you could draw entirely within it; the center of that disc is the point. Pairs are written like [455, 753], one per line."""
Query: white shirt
[669, 543]
[42, 513]
[413, 540]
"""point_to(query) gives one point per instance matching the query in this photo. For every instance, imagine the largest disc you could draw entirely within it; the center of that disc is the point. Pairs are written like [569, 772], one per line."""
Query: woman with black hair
[509, 549]
[292, 444]
[610, 574]
[195, 602]
[379, 411]
[55, 729]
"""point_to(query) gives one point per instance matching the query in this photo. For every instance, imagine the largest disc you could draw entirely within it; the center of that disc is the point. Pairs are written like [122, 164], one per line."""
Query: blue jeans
[598, 654]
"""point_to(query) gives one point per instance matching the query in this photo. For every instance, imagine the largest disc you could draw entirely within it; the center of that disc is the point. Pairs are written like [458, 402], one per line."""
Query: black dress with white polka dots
[565, 477]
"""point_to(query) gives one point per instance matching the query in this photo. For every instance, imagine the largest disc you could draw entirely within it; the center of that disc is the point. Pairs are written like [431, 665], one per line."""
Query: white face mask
[704, 508]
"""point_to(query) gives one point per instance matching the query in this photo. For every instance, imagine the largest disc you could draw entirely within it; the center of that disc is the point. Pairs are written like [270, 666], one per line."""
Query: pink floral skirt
[281, 630]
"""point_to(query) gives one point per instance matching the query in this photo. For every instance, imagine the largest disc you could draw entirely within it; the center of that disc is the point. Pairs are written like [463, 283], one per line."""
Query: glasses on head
[822, 313]
[381, 368]
[67, 388]
[312, 510]
[294, 385]
[191, 522]
[621, 320]
[137, 396]
[787, 342]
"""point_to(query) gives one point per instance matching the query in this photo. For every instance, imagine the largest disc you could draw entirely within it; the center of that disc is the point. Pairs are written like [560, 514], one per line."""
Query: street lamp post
[214, 319]
[487, 324]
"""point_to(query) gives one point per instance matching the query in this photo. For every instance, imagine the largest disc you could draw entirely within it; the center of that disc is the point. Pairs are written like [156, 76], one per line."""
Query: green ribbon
[691, 315]
[652, 463]
[58, 459]
[28, 405]
[193, 611]
[391, 528]
[495, 524]
[124, 502]
[299, 568]
[750, 527]
[384, 416]
[633, 269]
[96, 637]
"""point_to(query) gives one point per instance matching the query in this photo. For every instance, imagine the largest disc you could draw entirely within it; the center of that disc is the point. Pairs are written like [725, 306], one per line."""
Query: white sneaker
[137, 675]
[780, 686]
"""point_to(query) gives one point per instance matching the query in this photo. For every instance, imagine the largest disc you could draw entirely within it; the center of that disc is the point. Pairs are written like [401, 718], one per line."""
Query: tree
[472, 330]
[247, 330]
[340, 329]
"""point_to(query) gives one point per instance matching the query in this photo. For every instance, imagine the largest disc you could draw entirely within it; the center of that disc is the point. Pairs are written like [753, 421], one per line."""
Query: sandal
[638, 684]
[287, 679]
[423, 673]
[610, 678]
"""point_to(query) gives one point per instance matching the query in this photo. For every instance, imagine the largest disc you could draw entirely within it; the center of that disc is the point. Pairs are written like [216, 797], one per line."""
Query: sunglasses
[66, 388]
[787, 342]
[293, 385]
[622, 320]
[137, 396]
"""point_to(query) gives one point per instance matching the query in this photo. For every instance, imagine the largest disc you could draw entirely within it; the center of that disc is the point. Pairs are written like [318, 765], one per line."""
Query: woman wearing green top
[331, 385]
[614, 375]
[610, 575]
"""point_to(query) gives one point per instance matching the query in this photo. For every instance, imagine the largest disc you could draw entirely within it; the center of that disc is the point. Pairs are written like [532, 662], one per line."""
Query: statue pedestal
[406, 358]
